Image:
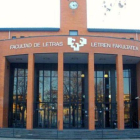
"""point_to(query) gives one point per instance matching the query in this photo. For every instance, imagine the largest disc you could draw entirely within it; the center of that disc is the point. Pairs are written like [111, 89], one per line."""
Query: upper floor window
[21, 36]
[73, 32]
[13, 37]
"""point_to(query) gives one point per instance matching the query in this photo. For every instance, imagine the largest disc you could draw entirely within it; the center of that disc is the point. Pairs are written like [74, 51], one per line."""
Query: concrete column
[138, 89]
[60, 92]
[4, 91]
[91, 92]
[120, 92]
[30, 92]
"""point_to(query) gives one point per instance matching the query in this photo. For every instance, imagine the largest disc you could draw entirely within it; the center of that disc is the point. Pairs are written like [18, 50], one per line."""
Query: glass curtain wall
[75, 113]
[46, 90]
[18, 95]
[105, 97]
[130, 103]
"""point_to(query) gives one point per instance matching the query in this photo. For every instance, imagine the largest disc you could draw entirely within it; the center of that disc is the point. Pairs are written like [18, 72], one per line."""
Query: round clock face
[73, 5]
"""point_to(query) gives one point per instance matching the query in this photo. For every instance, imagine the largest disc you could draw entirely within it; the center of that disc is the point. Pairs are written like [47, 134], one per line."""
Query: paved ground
[63, 139]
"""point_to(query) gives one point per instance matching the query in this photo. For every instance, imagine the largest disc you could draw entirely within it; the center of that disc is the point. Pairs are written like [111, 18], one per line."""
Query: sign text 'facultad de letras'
[76, 46]
[36, 45]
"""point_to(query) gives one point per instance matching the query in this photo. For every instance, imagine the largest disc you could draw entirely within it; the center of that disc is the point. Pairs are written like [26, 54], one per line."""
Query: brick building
[72, 77]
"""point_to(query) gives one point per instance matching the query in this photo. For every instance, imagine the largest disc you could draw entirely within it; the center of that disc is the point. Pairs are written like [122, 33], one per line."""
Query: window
[73, 32]
[13, 37]
[18, 96]
[21, 36]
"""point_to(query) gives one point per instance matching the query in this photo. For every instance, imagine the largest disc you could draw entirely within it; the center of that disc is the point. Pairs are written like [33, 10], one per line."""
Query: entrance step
[69, 134]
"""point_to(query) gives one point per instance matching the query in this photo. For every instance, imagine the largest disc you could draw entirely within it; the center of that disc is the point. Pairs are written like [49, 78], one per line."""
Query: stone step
[69, 134]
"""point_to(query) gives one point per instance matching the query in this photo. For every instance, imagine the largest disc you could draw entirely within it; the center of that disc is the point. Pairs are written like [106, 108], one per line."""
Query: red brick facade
[70, 20]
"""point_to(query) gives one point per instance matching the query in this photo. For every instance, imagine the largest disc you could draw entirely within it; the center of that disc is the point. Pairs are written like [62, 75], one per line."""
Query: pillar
[30, 92]
[138, 89]
[120, 92]
[60, 92]
[91, 92]
[4, 92]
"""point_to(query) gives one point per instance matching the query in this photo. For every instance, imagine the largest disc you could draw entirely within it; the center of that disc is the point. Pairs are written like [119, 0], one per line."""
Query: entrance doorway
[46, 88]
[75, 113]
[105, 92]
[47, 118]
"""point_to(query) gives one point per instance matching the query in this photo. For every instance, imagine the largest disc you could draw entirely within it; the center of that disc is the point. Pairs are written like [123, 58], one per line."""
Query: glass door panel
[75, 97]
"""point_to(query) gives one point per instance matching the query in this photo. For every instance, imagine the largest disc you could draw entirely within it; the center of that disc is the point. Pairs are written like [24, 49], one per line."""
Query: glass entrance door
[46, 88]
[47, 118]
[75, 97]
[105, 89]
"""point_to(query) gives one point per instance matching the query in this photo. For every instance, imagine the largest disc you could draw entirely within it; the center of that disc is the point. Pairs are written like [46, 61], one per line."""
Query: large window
[46, 89]
[75, 97]
[18, 96]
[105, 97]
[130, 103]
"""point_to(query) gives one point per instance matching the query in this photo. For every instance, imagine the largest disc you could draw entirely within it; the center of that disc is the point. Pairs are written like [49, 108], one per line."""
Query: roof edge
[113, 30]
[30, 29]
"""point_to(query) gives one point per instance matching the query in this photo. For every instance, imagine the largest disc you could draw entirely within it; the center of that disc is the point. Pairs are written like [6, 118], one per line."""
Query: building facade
[70, 77]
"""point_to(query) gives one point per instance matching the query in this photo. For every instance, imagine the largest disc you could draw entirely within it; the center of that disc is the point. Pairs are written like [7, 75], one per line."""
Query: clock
[73, 5]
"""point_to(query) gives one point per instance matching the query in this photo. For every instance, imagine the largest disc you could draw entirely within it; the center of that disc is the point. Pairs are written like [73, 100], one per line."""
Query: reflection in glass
[19, 98]
[47, 115]
[46, 101]
[105, 89]
[74, 98]
[127, 98]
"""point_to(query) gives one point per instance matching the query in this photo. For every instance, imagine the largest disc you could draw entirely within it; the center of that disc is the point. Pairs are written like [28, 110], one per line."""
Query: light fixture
[106, 76]
[21, 107]
[82, 75]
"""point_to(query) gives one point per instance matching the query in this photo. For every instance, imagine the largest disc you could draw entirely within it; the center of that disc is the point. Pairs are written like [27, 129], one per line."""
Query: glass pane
[46, 73]
[73, 74]
[80, 73]
[40, 89]
[26, 85]
[54, 88]
[99, 73]
[26, 72]
[127, 116]
[41, 73]
[100, 96]
[20, 87]
[126, 73]
[80, 89]
[54, 73]
[20, 72]
[15, 86]
[66, 113]
[73, 89]
[66, 73]
[126, 90]
[41, 118]
[47, 116]
[47, 89]
[66, 89]
[15, 72]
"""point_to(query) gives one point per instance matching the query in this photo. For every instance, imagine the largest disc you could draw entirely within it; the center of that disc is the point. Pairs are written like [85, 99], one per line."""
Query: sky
[29, 13]
[109, 14]
[46, 13]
